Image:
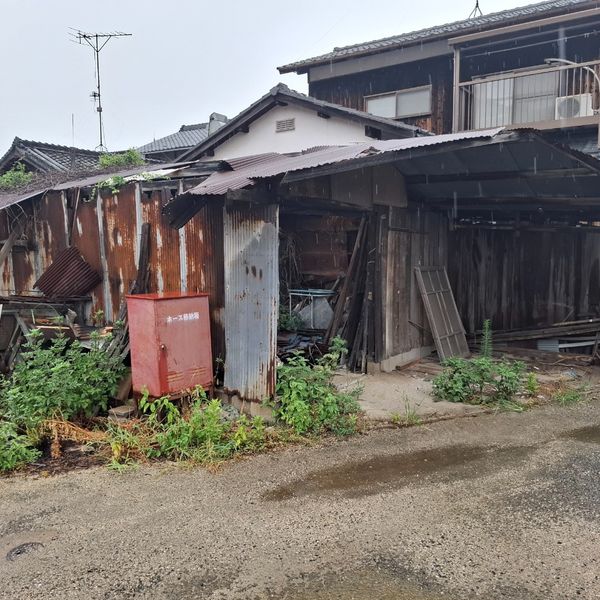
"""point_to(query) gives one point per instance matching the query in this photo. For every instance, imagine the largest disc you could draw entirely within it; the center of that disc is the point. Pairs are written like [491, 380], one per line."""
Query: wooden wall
[408, 238]
[350, 90]
[524, 279]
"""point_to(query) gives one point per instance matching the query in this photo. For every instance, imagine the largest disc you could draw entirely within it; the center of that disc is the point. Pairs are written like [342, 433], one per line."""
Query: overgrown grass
[202, 436]
[569, 396]
[58, 388]
[408, 418]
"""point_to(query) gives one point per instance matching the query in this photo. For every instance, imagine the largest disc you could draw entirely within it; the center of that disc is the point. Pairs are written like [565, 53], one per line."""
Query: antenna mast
[476, 12]
[97, 41]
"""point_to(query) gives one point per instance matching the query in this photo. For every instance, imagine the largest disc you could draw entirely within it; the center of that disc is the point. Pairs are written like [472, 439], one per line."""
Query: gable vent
[285, 125]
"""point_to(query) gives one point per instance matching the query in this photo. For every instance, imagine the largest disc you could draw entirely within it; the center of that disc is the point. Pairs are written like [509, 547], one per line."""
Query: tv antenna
[476, 12]
[97, 41]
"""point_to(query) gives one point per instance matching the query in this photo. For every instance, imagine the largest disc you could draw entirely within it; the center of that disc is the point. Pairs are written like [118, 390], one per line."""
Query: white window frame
[396, 93]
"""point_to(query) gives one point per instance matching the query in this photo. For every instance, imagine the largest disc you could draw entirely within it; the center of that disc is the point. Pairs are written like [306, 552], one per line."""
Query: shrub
[15, 178]
[129, 158]
[58, 380]
[479, 380]
[308, 401]
[16, 450]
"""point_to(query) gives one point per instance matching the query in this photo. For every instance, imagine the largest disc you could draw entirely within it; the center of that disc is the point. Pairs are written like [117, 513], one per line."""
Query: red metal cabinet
[169, 337]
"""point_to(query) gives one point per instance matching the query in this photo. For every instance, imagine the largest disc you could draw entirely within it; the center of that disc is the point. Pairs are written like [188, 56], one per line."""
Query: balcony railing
[551, 96]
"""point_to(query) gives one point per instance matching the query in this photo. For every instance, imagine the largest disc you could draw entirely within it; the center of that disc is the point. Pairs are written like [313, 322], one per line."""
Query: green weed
[15, 178]
[58, 380]
[16, 450]
[408, 418]
[307, 399]
[569, 396]
[129, 158]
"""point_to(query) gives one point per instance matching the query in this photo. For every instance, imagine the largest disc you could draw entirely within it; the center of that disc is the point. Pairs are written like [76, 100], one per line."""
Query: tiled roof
[282, 92]
[491, 21]
[46, 158]
[187, 137]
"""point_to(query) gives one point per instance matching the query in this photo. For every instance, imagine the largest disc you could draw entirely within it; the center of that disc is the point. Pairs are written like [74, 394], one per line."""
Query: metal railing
[558, 94]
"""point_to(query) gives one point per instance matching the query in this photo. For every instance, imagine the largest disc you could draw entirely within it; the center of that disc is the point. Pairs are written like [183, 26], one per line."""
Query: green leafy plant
[289, 321]
[129, 158]
[307, 399]
[532, 385]
[480, 381]
[114, 184]
[201, 436]
[15, 178]
[16, 450]
[486, 340]
[58, 379]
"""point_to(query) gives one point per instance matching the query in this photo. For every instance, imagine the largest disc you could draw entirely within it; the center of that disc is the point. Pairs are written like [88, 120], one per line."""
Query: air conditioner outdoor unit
[571, 107]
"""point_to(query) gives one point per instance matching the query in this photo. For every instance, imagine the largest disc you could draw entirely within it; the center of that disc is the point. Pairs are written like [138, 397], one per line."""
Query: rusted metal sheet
[251, 299]
[270, 165]
[119, 244]
[69, 275]
[86, 239]
[165, 267]
[50, 227]
[204, 267]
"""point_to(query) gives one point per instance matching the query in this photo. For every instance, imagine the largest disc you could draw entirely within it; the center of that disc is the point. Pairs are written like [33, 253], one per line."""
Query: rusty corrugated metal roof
[69, 275]
[245, 171]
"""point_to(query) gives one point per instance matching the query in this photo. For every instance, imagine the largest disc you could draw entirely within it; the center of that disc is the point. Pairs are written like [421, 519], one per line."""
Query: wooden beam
[10, 242]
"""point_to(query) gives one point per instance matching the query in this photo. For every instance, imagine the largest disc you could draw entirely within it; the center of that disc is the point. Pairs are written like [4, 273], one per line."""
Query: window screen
[382, 106]
[410, 103]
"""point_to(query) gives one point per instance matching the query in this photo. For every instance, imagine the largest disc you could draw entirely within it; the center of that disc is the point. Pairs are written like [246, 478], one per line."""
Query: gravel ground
[499, 506]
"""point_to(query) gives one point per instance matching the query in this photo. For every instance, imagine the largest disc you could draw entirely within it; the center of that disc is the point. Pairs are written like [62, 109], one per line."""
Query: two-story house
[536, 66]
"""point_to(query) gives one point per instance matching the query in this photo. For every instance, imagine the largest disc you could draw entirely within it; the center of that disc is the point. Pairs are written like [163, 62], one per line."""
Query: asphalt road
[502, 506]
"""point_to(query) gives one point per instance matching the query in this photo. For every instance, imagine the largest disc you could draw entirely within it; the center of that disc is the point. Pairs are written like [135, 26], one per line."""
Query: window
[412, 102]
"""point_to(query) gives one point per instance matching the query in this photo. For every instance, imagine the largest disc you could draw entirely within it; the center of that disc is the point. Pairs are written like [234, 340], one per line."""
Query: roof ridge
[30, 143]
[410, 37]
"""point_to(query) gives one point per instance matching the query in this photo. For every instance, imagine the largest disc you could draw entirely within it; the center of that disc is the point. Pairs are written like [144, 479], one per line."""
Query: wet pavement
[503, 506]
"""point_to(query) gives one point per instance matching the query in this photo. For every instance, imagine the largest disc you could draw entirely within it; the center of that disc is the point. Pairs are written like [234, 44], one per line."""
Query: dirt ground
[502, 506]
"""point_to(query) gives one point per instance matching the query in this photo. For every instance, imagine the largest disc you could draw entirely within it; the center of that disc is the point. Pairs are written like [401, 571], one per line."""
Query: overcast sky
[186, 59]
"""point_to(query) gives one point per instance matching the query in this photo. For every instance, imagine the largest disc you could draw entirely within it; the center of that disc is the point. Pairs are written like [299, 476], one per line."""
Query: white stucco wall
[311, 130]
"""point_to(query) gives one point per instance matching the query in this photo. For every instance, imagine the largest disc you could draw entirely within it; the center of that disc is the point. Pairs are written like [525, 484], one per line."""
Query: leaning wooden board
[446, 326]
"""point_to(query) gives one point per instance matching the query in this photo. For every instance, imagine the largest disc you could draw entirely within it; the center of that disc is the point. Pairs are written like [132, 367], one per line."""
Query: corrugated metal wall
[107, 233]
[251, 299]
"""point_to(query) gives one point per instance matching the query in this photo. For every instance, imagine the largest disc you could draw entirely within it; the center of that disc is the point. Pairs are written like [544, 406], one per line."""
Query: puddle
[360, 585]
[590, 434]
[22, 549]
[367, 477]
